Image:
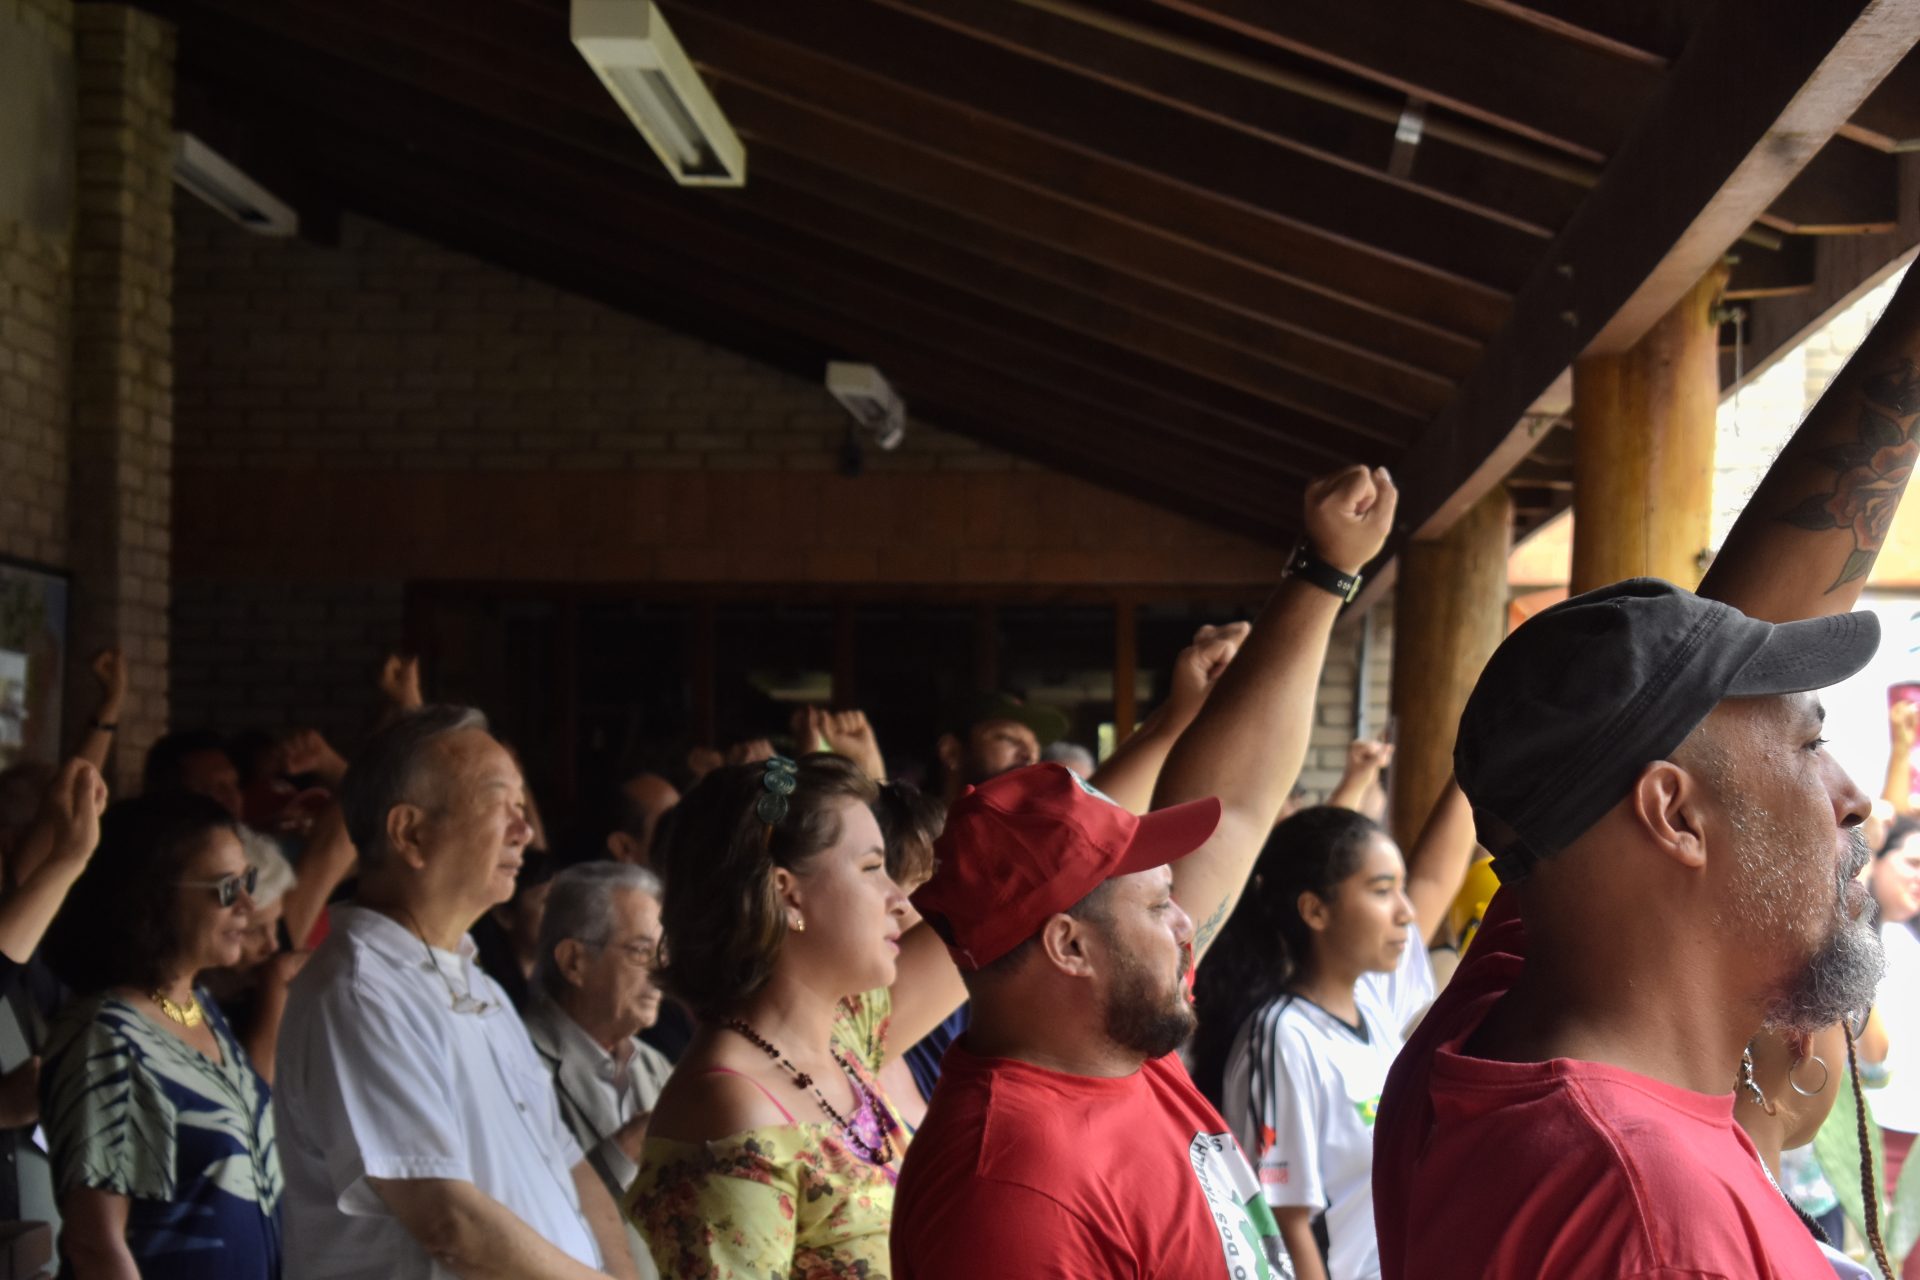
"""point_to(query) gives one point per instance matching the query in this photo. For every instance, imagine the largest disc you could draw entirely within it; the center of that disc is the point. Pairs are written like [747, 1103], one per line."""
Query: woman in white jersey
[1304, 1003]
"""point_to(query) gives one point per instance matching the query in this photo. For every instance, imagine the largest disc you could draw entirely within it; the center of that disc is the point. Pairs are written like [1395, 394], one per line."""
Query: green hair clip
[778, 782]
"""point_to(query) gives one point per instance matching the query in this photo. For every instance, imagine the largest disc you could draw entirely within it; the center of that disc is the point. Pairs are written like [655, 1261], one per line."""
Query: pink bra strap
[729, 1071]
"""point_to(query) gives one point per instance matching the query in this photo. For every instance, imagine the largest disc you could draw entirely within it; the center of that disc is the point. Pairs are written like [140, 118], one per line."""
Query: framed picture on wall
[33, 648]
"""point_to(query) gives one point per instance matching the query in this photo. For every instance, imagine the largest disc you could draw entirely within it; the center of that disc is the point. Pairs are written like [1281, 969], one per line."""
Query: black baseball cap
[1049, 725]
[1583, 696]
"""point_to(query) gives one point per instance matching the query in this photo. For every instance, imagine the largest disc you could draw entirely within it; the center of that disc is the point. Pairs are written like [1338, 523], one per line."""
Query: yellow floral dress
[790, 1200]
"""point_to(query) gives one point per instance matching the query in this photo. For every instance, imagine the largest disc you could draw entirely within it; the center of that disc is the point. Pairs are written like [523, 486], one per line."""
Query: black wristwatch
[1311, 568]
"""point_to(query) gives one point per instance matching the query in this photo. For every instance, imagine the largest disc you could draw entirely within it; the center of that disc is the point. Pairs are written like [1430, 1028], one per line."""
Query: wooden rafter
[1701, 166]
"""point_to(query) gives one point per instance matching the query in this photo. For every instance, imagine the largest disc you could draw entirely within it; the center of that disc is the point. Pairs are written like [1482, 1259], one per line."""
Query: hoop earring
[1751, 1085]
[1818, 1089]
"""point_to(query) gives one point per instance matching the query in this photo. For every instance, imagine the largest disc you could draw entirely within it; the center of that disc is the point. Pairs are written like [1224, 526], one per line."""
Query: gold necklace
[187, 1015]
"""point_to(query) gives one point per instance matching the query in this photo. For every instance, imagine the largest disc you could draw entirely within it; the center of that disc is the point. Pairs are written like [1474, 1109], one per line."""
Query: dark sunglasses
[227, 888]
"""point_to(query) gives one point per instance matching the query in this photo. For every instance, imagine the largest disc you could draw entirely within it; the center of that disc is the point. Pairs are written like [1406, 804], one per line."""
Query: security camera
[864, 392]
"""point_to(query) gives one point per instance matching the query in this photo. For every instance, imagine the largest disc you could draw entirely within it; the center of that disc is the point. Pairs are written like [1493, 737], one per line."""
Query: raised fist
[400, 681]
[1349, 515]
[72, 808]
[1200, 664]
[110, 669]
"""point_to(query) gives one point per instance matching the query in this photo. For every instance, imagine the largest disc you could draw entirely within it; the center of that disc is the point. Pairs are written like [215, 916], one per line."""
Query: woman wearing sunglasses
[160, 1129]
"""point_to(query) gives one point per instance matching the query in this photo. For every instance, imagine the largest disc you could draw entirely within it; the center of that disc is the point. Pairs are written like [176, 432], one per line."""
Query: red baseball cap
[1030, 843]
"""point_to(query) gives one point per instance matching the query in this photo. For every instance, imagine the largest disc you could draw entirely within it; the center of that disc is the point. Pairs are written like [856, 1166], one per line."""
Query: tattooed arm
[1809, 536]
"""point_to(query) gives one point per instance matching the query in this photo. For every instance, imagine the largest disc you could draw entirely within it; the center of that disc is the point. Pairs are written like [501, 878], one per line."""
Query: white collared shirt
[379, 1077]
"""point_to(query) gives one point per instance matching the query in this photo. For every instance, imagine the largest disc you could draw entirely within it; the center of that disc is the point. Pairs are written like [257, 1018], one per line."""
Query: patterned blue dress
[135, 1111]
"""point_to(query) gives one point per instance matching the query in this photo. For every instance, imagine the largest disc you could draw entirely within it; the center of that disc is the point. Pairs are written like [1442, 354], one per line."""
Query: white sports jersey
[1301, 1090]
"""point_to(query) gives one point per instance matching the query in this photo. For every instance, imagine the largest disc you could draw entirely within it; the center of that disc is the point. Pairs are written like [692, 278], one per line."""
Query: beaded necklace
[869, 1106]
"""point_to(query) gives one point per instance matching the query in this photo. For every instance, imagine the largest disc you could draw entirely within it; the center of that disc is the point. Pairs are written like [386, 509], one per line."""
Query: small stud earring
[797, 922]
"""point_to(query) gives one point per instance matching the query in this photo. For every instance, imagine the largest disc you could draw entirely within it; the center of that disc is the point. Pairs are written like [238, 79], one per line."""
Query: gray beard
[1843, 976]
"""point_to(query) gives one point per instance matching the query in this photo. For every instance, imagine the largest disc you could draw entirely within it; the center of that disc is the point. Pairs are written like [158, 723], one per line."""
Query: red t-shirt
[1031, 1174]
[1488, 1170]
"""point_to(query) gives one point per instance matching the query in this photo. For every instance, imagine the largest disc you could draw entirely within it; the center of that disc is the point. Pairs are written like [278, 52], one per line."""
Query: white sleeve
[1287, 1087]
[375, 1095]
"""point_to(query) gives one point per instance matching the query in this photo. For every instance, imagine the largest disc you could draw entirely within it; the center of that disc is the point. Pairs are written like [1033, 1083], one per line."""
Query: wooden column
[1126, 663]
[1449, 612]
[1643, 431]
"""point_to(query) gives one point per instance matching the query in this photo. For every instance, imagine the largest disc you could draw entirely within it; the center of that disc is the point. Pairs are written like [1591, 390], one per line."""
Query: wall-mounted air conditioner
[218, 181]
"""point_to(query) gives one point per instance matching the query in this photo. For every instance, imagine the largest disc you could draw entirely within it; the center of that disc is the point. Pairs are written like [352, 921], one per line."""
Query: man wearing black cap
[1065, 1137]
[992, 733]
[1678, 851]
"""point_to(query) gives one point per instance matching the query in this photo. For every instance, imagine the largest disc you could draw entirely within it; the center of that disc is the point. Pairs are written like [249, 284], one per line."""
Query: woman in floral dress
[160, 1129]
[773, 1150]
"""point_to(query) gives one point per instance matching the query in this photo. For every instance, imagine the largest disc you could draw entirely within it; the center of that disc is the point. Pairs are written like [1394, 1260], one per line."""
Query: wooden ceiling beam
[735, 55]
[1338, 156]
[369, 64]
[1459, 55]
[1763, 273]
[1040, 122]
[1147, 335]
[1701, 167]
[788, 178]
[1847, 189]
[1651, 31]
[1364, 425]
[1889, 120]
[1413, 326]
[1257, 434]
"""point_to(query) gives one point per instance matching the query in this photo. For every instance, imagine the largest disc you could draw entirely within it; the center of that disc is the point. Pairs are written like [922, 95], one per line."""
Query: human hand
[282, 967]
[1200, 665]
[1349, 515]
[630, 1136]
[848, 734]
[400, 682]
[110, 669]
[1366, 758]
[308, 751]
[752, 751]
[20, 1095]
[71, 809]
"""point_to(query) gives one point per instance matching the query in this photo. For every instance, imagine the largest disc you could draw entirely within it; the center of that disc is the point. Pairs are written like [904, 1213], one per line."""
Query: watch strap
[1311, 568]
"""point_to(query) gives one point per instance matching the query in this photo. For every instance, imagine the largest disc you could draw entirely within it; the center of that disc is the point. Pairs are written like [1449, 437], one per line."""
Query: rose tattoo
[1873, 471]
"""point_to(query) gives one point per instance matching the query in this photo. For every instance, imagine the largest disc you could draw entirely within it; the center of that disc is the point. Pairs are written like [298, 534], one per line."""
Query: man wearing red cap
[1065, 1138]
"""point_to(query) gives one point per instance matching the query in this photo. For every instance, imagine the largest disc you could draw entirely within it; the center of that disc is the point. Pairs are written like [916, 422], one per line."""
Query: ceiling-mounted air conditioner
[631, 49]
[218, 181]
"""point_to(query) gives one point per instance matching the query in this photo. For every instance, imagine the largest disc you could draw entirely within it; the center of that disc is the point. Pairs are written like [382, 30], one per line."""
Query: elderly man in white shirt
[419, 1132]
[593, 994]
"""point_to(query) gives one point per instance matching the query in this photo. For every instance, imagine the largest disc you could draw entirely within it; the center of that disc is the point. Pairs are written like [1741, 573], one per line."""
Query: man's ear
[622, 847]
[1672, 806]
[1066, 942]
[406, 825]
[951, 752]
[570, 958]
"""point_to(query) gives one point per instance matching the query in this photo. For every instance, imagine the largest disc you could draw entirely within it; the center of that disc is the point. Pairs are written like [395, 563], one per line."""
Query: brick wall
[354, 418]
[390, 352]
[36, 131]
[272, 653]
[122, 372]
[1334, 722]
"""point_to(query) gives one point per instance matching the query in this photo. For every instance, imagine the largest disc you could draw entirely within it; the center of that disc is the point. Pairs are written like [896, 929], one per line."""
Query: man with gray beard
[1679, 853]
